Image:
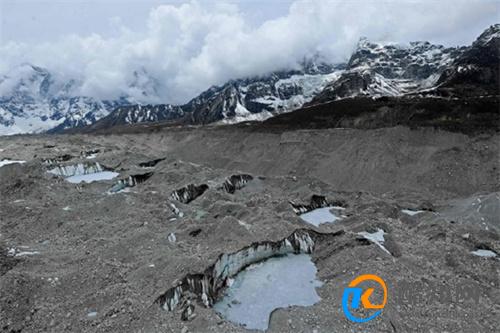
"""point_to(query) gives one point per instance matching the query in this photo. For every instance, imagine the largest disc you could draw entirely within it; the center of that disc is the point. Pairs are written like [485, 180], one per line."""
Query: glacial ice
[411, 212]
[207, 285]
[261, 288]
[484, 253]
[91, 177]
[7, 162]
[83, 173]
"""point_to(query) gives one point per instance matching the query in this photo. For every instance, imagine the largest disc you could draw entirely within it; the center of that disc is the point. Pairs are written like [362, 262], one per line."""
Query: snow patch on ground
[411, 212]
[14, 252]
[376, 237]
[242, 114]
[321, 215]
[7, 162]
[484, 253]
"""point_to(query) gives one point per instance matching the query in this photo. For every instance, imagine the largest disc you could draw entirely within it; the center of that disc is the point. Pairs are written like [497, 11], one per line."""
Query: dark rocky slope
[470, 116]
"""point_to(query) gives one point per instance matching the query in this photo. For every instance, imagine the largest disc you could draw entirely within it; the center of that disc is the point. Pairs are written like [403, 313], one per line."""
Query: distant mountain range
[32, 100]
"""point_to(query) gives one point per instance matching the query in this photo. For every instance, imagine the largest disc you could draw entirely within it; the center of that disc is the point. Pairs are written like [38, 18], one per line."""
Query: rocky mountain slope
[374, 70]
[256, 98]
[476, 71]
[390, 70]
[32, 100]
[420, 69]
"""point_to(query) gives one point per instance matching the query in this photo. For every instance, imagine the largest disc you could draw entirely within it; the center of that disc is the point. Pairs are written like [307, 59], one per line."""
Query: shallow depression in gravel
[321, 215]
[261, 288]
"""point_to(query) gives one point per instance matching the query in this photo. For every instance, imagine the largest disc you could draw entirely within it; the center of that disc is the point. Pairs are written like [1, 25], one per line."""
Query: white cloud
[187, 48]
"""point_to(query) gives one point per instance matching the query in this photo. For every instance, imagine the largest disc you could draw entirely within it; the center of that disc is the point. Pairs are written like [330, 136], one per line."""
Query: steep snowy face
[417, 61]
[25, 83]
[376, 69]
[256, 98]
[32, 100]
[261, 97]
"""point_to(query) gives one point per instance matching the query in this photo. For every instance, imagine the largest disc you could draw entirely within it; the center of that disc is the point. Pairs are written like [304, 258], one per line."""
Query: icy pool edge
[209, 285]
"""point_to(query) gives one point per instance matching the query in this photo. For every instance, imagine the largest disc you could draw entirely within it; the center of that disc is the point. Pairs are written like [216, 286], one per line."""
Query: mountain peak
[490, 34]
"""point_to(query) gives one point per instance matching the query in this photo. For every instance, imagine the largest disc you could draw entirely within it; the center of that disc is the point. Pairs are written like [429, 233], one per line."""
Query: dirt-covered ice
[102, 261]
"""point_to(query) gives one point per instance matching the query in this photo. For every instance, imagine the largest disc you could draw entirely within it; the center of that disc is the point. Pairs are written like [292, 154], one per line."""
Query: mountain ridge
[39, 103]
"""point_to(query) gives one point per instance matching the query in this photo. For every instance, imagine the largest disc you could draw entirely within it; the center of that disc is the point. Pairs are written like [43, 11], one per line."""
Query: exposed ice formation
[236, 182]
[171, 238]
[76, 169]
[208, 286]
[90, 154]
[131, 181]
[14, 252]
[189, 193]
[176, 210]
[317, 201]
[57, 159]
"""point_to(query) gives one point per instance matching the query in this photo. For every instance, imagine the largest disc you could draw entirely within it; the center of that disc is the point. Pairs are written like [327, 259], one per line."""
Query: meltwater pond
[83, 172]
[91, 177]
[261, 288]
[321, 215]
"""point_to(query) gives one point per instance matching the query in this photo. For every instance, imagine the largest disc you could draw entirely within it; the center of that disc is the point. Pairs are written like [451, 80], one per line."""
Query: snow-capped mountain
[376, 69]
[476, 70]
[256, 98]
[32, 100]
[261, 97]
[132, 114]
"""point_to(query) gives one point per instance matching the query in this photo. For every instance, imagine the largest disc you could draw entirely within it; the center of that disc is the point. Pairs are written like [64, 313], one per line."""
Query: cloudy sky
[187, 46]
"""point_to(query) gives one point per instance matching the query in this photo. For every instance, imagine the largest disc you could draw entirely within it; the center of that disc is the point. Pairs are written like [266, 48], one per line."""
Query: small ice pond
[261, 288]
[411, 212]
[7, 162]
[321, 215]
[484, 253]
[83, 173]
[92, 177]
